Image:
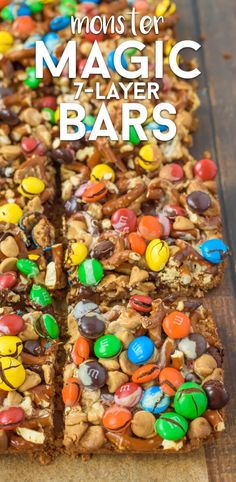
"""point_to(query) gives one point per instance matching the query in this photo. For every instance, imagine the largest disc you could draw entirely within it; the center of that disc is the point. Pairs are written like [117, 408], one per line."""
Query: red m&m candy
[128, 395]
[150, 228]
[176, 325]
[205, 169]
[8, 280]
[170, 380]
[11, 418]
[124, 220]
[141, 303]
[11, 324]
[137, 243]
[172, 172]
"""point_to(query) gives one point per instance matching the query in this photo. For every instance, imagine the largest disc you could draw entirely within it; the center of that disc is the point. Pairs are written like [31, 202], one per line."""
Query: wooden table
[217, 461]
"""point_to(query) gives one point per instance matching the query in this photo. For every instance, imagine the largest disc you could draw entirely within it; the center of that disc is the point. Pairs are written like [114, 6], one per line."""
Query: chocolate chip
[104, 249]
[92, 374]
[83, 308]
[34, 347]
[92, 325]
[62, 156]
[9, 117]
[193, 346]
[216, 393]
[71, 206]
[198, 201]
[217, 354]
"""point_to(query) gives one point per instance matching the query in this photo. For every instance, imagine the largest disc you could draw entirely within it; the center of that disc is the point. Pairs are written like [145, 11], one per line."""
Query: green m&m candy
[31, 80]
[40, 295]
[171, 426]
[47, 327]
[133, 136]
[27, 267]
[35, 5]
[48, 115]
[6, 14]
[107, 346]
[190, 400]
[90, 272]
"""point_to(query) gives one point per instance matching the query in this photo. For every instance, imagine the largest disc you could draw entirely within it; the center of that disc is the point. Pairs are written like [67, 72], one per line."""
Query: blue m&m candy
[59, 23]
[214, 250]
[31, 41]
[110, 61]
[51, 40]
[155, 400]
[90, 1]
[140, 350]
[153, 125]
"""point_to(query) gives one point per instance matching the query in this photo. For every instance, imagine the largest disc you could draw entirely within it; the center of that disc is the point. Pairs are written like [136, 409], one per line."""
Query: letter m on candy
[43, 57]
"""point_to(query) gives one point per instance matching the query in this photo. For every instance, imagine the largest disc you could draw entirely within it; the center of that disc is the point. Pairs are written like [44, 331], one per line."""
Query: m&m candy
[116, 418]
[90, 272]
[71, 392]
[205, 169]
[190, 400]
[141, 303]
[157, 254]
[176, 324]
[10, 213]
[133, 136]
[172, 172]
[154, 400]
[11, 418]
[137, 243]
[140, 350]
[165, 8]
[92, 325]
[11, 324]
[124, 220]
[149, 157]
[198, 201]
[214, 250]
[128, 395]
[59, 23]
[77, 253]
[8, 280]
[31, 80]
[80, 350]
[111, 64]
[150, 227]
[107, 346]
[31, 186]
[6, 42]
[171, 426]
[102, 172]
[40, 295]
[94, 193]
[12, 373]
[10, 346]
[92, 374]
[170, 380]
[146, 373]
[27, 267]
[46, 326]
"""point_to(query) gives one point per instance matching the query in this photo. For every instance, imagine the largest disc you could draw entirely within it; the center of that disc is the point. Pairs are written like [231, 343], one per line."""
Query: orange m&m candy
[95, 192]
[80, 351]
[176, 325]
[170, 380]
[137, 243]
[23, 27]
[116, 418]
[146, 373]
[71, 392]
[150, 228]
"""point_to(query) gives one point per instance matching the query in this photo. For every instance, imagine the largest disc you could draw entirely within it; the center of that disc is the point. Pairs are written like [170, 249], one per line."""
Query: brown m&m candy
[198, 201]
[217, 394]
[92, 325]
[92, 374]
[117, 419]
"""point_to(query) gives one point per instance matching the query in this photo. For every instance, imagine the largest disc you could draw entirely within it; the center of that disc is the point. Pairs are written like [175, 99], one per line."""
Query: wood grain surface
[216, 20]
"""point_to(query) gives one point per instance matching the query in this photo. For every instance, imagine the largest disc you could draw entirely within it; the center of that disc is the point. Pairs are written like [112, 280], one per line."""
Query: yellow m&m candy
[31, 186]
[6, 42]
[10, 346]
[10, 213]
[157, 254]
[165, 8]
[102, 172]
[79, 252]
[57, 115]
[149, 157]
[12, 374]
